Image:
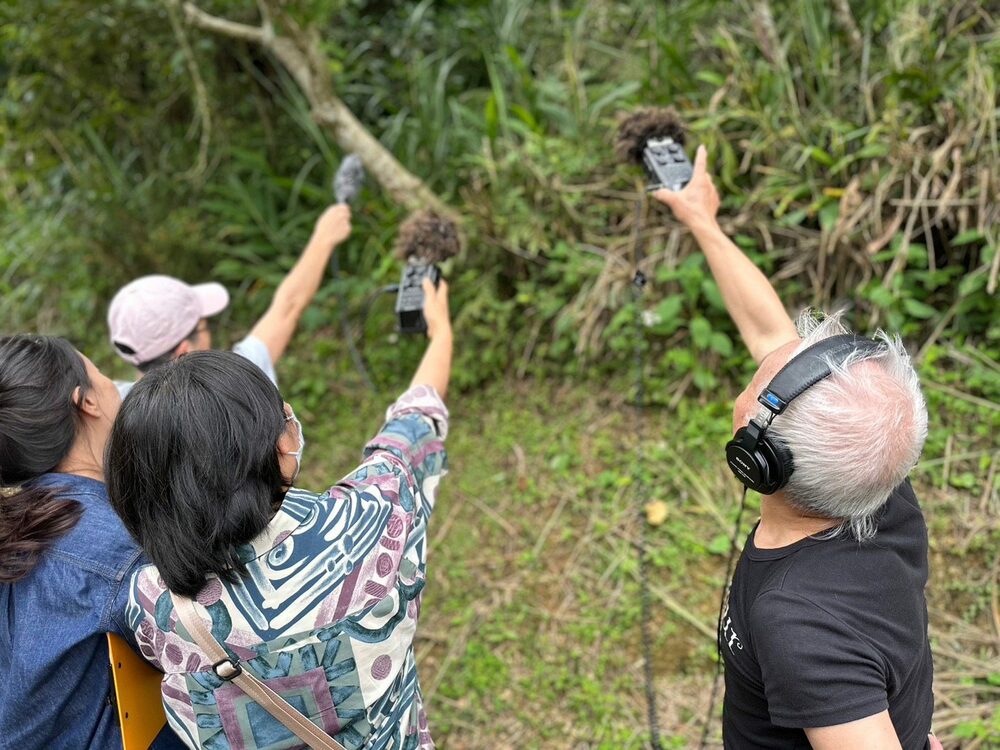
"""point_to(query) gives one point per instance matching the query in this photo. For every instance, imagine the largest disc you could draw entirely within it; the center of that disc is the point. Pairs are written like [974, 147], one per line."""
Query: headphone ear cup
[780, 465]
[745, 462]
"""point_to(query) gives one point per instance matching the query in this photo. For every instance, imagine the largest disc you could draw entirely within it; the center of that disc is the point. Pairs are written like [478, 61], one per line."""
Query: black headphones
[765, 465]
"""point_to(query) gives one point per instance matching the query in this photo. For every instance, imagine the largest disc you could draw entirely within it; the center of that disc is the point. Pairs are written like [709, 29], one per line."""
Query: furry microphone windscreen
[349, 179]
[638, 128]
[429, 237]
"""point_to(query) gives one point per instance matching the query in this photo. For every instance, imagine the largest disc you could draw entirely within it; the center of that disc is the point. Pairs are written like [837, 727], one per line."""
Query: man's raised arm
[297, 289]
[750, 299]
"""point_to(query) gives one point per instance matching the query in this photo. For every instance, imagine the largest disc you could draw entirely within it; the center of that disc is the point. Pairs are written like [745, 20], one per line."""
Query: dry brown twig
[197, 170]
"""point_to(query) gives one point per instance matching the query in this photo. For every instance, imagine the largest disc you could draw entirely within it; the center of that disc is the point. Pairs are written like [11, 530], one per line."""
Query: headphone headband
[810, 366]
[762, 464]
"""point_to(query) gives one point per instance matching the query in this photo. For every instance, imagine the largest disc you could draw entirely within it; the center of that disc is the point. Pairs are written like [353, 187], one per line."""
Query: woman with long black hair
[315, 593]
[65, 558]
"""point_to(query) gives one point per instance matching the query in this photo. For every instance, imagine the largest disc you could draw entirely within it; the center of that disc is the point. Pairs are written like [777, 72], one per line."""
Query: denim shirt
[55, 676]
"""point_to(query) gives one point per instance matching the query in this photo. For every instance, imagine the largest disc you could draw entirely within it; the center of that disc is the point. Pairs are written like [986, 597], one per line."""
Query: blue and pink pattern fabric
[328, 613]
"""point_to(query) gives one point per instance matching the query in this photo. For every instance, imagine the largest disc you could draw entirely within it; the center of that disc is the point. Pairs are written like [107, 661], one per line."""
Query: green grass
[530, 622]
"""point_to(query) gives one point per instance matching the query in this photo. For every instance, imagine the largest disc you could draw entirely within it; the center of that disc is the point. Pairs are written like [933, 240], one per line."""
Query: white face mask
[302, 446]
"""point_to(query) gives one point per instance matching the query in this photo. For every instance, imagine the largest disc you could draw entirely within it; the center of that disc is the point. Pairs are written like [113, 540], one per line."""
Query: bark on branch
[298, 50]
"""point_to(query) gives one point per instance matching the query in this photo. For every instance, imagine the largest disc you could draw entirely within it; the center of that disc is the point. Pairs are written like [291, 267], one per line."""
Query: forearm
[302, 282]
[435, 367]
[292, 296]
[751, 301]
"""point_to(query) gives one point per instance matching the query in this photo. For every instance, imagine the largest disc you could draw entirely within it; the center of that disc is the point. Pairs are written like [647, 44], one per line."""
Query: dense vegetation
[857, 151]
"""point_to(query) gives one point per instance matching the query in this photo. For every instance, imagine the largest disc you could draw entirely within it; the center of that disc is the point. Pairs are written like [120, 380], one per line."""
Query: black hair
[38, 424]
[192, 465]
[167, 356]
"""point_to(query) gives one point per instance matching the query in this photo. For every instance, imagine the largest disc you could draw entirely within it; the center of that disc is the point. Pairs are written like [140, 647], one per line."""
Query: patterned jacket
[328, 613]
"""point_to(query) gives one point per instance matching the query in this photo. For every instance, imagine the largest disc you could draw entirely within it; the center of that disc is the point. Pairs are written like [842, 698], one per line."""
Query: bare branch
[197, 17]
[200, 95]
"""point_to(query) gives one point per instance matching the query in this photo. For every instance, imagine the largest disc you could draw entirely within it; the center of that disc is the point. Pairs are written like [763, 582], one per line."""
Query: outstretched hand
[334, 224]
[698, 203]
[436, 307]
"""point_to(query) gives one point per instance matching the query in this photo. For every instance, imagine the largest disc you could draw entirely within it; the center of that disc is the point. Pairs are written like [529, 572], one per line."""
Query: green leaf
[710, 291]
[794, 218]
[701, 332]
[967, 237]
[515, 57]
[872, 151]
[526, 117]
[616, 94]
[491, 117]
[918, 309]
[828, 216]
[971, 284]
[820, 155]
[719, 545]
[722, 344]
[560, 462]
[710, 76]
[669, 308]
[965, 480]
[704, 380]
[880, 296]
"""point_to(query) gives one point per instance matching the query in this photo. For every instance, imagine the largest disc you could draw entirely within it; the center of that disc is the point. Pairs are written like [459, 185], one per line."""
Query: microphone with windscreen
[346, 186]
[425, 240]
[349, 179]
[654, 138]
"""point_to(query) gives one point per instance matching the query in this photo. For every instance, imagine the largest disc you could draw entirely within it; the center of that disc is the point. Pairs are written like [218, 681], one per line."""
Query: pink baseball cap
[152, 315]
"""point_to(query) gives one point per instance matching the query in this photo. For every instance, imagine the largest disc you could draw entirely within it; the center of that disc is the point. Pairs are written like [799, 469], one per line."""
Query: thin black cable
[345, 331]
[638, 283]
[644, 602]
[366, 311]
[733, 550]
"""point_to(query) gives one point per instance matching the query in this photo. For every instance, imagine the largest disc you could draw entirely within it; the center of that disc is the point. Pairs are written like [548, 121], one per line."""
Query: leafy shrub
[853, 172]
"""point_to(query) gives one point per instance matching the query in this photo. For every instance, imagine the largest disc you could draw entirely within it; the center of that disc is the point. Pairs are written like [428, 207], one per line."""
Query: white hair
[856, 434]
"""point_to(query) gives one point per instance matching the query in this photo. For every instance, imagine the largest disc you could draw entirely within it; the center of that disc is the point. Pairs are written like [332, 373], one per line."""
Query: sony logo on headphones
[739, 466]
[737, 460]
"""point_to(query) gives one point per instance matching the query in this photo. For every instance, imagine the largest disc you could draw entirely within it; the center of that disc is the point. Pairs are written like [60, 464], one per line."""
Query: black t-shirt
[824, 632]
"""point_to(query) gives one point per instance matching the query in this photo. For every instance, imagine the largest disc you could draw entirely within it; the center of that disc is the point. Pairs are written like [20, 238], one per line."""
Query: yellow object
[137, 694]
[656, 512]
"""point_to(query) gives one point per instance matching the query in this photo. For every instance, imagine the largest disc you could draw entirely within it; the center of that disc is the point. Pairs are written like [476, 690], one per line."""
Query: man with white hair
[824, 632]
[155, 319]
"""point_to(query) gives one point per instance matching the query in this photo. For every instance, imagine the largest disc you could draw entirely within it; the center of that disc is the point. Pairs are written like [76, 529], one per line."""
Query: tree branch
[200, 96]
[298, 50]
[197, 17]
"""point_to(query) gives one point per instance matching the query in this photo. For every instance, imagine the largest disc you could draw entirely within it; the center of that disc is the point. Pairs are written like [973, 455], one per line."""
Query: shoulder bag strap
[230, 670]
